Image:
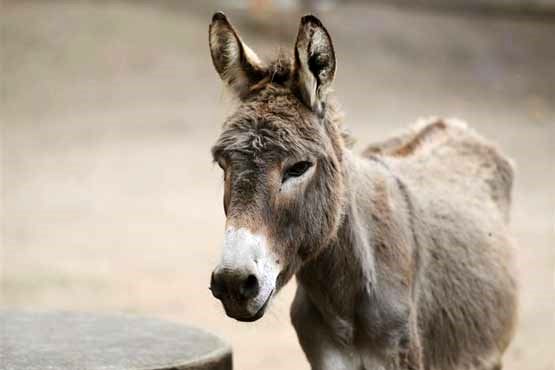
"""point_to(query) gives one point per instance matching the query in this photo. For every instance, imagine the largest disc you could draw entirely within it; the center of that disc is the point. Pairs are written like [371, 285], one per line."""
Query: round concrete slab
[79, 341]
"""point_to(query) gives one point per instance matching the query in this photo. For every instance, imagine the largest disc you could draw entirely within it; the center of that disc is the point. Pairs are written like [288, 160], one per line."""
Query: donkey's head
[281, 154]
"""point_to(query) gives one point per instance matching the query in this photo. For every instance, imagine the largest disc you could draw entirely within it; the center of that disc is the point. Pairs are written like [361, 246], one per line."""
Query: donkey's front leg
[318, 343]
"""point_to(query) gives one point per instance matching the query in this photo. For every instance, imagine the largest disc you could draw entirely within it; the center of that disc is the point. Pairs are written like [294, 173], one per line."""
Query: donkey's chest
[371, 334]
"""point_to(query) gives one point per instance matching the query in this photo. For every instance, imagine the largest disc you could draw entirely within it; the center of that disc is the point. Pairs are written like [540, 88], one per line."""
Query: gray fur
[403, 255]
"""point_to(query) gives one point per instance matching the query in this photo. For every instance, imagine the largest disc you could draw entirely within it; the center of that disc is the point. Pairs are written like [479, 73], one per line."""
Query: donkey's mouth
[259, 313]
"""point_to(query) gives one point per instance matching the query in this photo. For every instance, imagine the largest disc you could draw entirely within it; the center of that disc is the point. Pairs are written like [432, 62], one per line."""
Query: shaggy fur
[403, 255]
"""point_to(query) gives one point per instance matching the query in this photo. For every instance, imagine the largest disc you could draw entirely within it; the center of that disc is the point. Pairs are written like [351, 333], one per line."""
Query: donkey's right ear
[314, 63]
[236, 63]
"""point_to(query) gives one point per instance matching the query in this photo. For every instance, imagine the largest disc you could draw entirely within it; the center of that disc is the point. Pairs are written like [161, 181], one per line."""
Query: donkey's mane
[279, 72]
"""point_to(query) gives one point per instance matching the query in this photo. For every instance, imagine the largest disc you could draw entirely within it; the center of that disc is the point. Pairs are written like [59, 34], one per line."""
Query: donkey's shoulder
[435, 149]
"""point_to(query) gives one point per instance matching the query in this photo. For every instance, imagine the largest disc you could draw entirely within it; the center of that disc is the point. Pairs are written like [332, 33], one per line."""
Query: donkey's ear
[235, 62]
[314, 63]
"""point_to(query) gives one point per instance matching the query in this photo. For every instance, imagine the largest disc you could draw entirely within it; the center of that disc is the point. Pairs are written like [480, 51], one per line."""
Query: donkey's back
[460, 187]
[447, 155]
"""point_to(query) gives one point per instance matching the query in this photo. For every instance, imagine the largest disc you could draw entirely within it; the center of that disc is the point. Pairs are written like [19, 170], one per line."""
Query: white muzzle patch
[245, 251]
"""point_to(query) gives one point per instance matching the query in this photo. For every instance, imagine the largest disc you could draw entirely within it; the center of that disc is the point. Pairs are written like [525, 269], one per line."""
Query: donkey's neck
[344, 272]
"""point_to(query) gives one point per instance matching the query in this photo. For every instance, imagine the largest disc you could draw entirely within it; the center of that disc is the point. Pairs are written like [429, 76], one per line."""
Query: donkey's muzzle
[240, 293]
[245, 279]
[238, 287]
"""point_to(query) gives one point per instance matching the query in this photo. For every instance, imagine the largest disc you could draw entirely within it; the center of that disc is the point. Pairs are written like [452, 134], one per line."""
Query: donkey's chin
[247, 317]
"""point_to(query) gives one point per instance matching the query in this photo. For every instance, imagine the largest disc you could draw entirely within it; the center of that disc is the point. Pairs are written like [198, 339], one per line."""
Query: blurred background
[110, 201]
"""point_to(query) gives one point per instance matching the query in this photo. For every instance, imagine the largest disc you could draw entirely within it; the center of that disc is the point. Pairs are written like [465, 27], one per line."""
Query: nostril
[250, 287]
[216, 286]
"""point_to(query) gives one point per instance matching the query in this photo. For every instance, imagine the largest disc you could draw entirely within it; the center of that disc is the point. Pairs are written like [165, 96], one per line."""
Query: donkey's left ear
[236, 63]
[314, 63]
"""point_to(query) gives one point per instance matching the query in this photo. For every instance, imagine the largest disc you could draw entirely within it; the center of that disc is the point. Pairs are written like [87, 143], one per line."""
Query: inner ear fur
[314, 63]
[238, 66]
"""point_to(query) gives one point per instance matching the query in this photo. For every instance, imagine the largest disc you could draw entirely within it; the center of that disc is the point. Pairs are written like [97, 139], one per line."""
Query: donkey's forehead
[279, 126]
[265, 137]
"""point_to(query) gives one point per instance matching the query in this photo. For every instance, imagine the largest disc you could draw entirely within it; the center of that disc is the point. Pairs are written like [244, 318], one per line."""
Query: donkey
[402, 255]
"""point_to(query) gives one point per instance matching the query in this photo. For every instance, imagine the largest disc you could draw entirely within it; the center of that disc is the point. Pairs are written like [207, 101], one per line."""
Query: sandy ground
[111, 203]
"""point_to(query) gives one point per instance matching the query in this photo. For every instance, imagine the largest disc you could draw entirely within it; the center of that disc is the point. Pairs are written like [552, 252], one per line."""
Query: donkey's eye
[296, 170]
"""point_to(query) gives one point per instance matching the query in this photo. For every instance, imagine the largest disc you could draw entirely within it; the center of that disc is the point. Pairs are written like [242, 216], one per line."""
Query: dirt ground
[110, 200]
